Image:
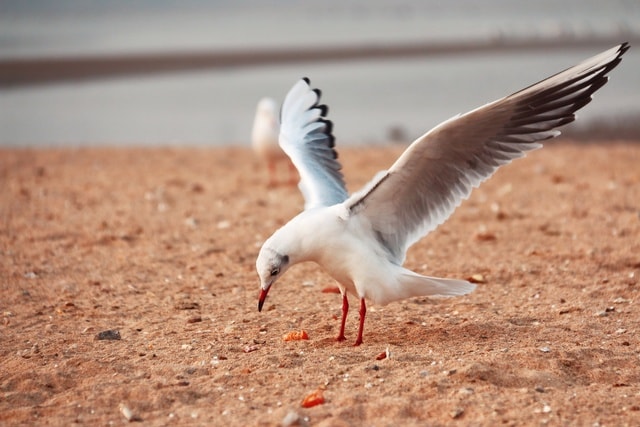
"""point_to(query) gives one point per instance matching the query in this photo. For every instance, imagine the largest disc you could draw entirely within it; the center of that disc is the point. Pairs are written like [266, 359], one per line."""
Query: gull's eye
[275, 271]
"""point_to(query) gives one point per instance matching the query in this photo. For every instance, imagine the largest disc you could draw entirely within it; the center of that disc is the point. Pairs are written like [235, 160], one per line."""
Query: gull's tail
[414, 285]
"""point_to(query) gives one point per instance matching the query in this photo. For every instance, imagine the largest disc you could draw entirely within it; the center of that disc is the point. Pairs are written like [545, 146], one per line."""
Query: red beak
[262, 297]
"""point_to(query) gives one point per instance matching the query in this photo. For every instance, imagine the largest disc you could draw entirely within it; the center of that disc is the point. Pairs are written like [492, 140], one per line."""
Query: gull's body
[264, 138]
[361, 240]
[342, 241]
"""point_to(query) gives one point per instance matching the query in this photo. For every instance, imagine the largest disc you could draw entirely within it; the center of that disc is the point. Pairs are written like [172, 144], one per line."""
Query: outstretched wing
[305, 135]
[439, 170]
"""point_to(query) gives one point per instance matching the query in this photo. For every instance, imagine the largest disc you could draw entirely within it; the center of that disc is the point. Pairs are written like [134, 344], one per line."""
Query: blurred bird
[264, 140]
[361, 240]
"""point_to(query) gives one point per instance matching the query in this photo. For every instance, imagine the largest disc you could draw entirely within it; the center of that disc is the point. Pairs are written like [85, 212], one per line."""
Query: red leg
[345, 310]
[363, 311]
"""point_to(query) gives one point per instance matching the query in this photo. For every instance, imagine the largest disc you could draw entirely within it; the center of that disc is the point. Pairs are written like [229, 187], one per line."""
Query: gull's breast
[348, 250]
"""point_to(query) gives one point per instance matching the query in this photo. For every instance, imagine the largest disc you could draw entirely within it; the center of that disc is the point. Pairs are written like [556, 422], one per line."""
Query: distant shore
[45, 70]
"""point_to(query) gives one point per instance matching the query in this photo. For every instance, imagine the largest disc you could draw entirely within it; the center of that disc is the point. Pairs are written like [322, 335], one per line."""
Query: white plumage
[264, 139]
[361, 240]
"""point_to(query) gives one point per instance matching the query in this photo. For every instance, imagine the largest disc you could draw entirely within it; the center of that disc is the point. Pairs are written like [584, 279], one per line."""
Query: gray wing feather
[306, 137]
[441, 168]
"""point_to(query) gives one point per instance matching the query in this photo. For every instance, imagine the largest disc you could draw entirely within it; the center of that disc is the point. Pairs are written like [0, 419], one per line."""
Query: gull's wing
[439, 169]
[305, 135]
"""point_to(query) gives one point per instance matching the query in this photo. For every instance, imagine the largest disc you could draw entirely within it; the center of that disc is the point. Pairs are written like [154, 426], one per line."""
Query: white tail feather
[414, 285]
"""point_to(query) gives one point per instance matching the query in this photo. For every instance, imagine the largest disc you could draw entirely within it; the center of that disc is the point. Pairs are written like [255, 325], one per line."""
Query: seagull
[264, 139]
[361, 239]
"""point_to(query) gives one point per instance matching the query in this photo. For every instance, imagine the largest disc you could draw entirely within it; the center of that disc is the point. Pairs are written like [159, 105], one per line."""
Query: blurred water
[367, 98]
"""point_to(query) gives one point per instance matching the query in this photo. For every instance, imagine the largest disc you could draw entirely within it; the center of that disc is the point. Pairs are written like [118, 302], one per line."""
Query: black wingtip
[624, 47]
[614, 63]
[328, 125]
[621, 51]
[324, 110]
[306, 79]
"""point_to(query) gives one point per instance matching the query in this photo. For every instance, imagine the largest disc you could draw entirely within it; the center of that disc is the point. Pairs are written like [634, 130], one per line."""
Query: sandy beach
[159, 244]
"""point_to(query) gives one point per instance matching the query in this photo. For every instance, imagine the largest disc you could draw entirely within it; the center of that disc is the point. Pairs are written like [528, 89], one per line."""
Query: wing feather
[306, 137]
[441, 168]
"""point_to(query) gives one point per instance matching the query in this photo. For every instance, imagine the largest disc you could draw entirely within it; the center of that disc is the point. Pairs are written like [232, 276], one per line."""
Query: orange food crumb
[331, 290]
[312, 399]
[381, 356]
[296, 335]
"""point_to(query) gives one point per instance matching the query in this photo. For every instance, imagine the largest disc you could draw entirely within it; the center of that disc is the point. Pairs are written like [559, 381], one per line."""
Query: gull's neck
[300, 238]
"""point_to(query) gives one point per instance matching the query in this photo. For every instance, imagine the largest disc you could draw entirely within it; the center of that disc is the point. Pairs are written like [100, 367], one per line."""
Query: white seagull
[361, 240]
[264, 139]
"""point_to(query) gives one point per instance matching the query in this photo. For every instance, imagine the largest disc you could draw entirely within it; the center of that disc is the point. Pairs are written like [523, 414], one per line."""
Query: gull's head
[271, 264]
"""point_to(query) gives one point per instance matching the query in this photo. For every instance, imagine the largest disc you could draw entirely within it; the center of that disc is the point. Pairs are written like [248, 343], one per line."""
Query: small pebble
[109, 335]
[606, 312]
[250, 348]
[485, 236]
[292, 418]
[128, 414]
[477, 278]
[457, 413]
[186, 305]
[545, 349]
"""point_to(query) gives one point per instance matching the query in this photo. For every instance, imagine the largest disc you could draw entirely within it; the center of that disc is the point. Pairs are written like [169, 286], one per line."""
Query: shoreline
[17, 72]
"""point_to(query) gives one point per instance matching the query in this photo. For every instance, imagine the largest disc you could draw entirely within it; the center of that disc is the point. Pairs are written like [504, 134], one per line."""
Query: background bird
[264, 140]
